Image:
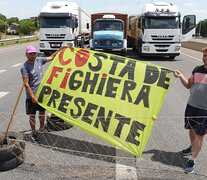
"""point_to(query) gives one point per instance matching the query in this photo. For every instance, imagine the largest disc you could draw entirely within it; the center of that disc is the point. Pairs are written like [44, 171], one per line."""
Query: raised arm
[186, 82]
[52, 56]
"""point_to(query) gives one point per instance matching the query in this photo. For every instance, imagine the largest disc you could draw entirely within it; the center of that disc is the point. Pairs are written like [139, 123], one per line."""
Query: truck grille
[55, 36]
[107, 42]
[162, 37]
[162, 47]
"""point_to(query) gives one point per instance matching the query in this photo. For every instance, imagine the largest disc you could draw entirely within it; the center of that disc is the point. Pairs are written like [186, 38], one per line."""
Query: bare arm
[52, 56]
[186, 82]
[29, 90]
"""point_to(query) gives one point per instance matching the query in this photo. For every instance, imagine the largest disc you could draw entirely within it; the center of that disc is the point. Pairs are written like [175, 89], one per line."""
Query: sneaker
[42, 131]
[35, 137]
[190, 166]
[187, 152]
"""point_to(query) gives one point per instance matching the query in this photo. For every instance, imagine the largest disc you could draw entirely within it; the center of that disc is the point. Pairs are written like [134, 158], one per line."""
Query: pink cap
[30, 49]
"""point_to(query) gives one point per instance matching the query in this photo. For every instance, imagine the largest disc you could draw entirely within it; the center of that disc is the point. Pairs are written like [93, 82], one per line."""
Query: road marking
[16, 65]
[192, 57]
[125, 165]
[1, 71]
[2, 94]
[125, 172]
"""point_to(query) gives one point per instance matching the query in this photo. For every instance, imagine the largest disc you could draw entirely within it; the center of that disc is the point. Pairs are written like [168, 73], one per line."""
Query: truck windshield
[108, 25]
[162, 23]
[55, 22]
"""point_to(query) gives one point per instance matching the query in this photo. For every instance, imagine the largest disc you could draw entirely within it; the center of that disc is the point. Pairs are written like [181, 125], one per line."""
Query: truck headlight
[120, 43]
[95, 42]
[146, 48]
[177, 48]
[42, 45]
[70, 44]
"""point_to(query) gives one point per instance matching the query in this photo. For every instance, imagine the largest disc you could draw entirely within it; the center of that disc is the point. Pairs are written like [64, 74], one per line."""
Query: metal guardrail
[17, 39]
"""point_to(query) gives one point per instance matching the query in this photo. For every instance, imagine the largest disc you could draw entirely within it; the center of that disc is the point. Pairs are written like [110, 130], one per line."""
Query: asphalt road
[74, 154]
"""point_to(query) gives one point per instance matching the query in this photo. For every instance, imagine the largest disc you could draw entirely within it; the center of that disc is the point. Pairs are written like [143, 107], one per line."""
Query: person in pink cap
[33, 67]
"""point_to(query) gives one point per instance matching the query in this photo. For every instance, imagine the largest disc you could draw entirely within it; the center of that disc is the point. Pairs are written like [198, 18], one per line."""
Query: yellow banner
[111, 97]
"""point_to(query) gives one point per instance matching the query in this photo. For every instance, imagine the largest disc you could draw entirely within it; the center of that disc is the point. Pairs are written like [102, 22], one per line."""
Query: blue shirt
[35, 73]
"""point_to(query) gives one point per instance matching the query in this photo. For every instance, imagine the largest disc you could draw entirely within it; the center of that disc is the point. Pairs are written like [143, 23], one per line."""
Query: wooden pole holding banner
[3, 139]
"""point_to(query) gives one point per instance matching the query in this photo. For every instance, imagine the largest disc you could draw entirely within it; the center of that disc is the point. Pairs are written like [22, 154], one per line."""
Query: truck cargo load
[63, 23]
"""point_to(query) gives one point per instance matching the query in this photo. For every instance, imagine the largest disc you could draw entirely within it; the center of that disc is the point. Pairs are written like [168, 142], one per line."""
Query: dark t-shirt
[34, 72]
[198, 95]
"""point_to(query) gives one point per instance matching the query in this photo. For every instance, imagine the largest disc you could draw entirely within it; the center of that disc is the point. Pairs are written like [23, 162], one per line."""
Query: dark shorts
[31, 107]
[196, 119]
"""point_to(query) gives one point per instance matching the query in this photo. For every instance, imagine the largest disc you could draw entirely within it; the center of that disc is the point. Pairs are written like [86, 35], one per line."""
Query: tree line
[201, 28]
[25, 26]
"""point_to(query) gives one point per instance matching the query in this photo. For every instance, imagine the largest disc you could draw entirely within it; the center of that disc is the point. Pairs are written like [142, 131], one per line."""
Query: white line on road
[125, 172]
[16, 65]
[126, 167]
[1, 71]
[2, 94]
[192, 57]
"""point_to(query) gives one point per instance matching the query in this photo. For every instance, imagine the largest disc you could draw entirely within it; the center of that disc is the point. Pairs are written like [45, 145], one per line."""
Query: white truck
[158, 31]
[62, 23]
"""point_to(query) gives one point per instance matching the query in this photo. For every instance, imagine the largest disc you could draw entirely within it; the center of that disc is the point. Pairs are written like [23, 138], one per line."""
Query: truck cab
[109, 33]
[62, 23]
[158, 30]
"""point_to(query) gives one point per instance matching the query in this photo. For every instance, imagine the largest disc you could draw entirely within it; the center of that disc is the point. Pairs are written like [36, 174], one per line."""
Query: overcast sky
[28, 8]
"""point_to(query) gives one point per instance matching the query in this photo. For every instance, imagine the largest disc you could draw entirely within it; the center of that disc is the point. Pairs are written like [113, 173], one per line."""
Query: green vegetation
[25, 26]
[201, 28]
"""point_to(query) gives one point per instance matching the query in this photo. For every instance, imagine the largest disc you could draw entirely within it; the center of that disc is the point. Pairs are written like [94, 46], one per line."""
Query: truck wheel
[12, 148]
[124, 52]
[76, 42]
[133, 48]
[171, 57]
[140, 49]
[46, 53]
[82, 43]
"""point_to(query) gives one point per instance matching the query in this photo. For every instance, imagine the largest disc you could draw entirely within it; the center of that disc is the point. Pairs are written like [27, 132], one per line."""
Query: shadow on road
[168, 158]
[75, 147]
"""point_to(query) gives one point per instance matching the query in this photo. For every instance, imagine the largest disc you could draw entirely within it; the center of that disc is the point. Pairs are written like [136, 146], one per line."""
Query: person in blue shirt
[33, 68]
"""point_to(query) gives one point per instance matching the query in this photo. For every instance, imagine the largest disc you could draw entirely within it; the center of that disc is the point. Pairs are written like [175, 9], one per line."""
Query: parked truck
[109, 32]
[158, 31]
[62, 23]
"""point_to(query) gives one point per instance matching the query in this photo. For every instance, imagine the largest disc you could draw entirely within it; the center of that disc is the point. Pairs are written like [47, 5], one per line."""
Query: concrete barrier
[195, 44]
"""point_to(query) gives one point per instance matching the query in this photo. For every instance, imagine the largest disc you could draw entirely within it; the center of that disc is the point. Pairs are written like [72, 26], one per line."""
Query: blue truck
[108, 32]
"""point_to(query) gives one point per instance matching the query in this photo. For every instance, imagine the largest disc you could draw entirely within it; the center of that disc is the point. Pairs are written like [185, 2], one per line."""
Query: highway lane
[160, 157]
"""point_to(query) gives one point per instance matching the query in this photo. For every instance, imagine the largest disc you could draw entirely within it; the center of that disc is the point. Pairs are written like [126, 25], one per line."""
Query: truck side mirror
[76, 22]
[87, 25]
